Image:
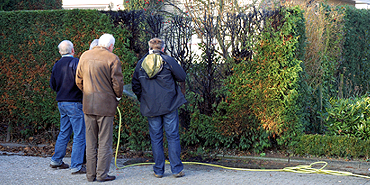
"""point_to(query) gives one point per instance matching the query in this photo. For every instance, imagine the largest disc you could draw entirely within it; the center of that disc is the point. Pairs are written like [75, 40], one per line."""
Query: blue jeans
[170, 122]
[71, 120]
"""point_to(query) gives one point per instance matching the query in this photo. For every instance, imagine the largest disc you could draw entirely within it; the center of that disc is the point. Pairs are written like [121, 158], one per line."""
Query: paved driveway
[16, 169]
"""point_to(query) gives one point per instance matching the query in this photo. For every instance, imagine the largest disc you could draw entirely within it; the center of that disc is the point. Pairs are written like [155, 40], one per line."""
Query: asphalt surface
[16, 169]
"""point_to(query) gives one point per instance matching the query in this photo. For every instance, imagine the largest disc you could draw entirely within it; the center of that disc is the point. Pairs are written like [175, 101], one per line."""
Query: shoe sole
[62, 166]
[81, 171]
[181, 174]
[58, 167]
[105, 180]
[76, 173]
[158, 176]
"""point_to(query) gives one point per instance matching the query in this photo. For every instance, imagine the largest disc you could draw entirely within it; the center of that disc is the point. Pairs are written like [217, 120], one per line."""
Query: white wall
[93, 4]
[362, 6]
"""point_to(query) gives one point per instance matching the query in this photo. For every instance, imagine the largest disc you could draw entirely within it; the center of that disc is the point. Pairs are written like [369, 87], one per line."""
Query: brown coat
[99, 76]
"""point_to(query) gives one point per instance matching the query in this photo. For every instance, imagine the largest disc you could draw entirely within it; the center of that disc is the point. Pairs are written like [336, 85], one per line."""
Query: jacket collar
[100, 47]
[67, 55]
[155, 51]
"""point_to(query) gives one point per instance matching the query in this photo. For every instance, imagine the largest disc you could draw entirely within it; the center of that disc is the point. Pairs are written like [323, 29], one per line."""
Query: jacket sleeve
[136, 86]
[52, 81]
[117, 78]
[79, 76]
[177, 71]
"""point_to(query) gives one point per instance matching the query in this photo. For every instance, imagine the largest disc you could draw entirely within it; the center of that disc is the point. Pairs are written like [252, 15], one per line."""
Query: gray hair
[156, 43]
[65, 47]
[94, 43]
[106, 40]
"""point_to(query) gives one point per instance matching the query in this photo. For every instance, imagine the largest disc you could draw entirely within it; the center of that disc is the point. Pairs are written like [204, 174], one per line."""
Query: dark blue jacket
[159, 95]
[63, 78]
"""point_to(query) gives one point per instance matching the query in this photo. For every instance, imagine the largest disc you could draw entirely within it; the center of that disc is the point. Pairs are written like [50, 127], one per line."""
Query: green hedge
[9, 5]
[332, 146]
[355, 66]
[29, 50]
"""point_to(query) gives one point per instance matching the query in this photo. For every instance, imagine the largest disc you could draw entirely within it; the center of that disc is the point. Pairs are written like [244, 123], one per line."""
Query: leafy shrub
[349, 117]
[134, 127]
[267, 85]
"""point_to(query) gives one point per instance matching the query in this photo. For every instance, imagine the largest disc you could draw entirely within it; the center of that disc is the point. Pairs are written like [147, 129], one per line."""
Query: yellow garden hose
[297, 169]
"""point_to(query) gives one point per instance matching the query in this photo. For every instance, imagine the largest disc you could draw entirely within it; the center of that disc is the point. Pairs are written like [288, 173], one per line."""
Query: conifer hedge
[10, 5]
[29, 41]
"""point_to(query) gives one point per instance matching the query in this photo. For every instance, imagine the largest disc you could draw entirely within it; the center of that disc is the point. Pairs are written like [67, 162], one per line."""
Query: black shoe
[61, 166]
[81, 171]
[108, 178]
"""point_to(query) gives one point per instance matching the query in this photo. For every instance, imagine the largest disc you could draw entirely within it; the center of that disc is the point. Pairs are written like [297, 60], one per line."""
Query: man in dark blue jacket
[69, 98]
[155, 84]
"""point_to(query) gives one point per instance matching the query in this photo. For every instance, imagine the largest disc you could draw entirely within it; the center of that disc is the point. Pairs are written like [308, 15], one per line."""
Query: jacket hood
[152, 64]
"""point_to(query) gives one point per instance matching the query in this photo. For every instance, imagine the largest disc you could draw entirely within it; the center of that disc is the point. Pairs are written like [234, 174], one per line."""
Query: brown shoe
[158, 176]
[81, 171]
[89, 180]
[61, 166]
[181, 174]
[108, 178]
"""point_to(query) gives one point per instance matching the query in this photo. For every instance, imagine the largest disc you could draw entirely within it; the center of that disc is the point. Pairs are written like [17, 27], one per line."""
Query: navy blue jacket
[160, 95]
[63, 78]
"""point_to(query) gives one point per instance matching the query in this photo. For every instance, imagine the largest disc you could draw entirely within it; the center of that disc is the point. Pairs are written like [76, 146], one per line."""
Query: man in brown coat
[99, 76]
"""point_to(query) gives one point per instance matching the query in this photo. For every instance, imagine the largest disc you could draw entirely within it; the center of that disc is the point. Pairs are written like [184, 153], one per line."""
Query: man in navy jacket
[155, 84]
[69, 98]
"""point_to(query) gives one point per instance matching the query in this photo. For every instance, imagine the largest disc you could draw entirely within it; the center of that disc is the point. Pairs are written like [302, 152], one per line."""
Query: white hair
[106, 40]
[94, 43]
[65, 47]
